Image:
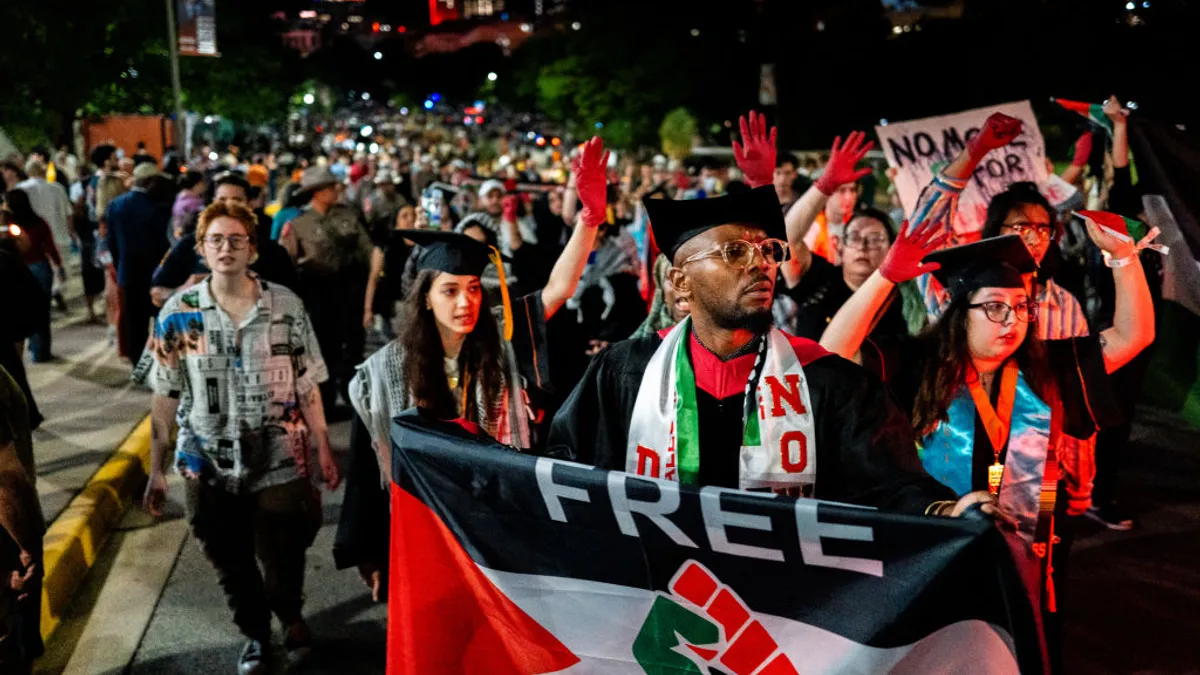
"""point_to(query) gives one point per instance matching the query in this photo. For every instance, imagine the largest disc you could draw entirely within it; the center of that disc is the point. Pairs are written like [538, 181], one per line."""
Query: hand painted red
[998, 131]
[591, 182]
[1083, 149]
[903, 261]
[842, 160]
[509, 204]
[757, 158]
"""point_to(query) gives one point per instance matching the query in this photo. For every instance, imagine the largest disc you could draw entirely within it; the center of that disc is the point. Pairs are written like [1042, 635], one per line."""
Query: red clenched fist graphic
[710, 626]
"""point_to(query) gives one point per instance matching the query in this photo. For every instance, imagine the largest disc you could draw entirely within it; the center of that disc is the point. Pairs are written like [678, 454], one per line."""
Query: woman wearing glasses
[993, 408]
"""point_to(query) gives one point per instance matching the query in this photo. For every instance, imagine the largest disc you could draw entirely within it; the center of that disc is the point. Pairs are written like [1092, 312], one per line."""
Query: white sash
[783, 452]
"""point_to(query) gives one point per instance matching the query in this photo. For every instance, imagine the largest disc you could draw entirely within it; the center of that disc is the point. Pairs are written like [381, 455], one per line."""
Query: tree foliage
[633, 62]
[67, 58]
[677, 131]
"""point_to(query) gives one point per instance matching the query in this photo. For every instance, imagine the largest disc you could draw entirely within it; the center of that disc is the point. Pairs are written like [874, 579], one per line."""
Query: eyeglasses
[237, 242]
[1031, 231]
[740, 253]
[998, 312]
[871, 243]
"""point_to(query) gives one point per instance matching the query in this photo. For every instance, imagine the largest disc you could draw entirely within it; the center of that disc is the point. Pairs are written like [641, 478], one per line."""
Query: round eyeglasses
[237, 242]
[741, 253]
[998, 312]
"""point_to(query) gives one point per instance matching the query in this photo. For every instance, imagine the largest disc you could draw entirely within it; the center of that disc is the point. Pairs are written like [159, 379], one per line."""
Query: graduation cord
[760, 358]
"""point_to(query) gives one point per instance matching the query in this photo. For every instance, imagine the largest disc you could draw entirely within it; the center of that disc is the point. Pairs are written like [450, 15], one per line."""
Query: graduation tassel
[508, 317]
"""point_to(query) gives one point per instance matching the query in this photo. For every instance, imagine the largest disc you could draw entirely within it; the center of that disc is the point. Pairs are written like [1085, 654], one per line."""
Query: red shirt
[41, 244]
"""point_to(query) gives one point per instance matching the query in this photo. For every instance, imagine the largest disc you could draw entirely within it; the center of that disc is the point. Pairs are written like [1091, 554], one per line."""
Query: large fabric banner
[197, 21]
[509, 564]
[918, 148]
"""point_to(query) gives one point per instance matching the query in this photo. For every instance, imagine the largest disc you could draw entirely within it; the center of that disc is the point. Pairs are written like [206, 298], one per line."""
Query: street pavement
[152, 604]
[88, 402]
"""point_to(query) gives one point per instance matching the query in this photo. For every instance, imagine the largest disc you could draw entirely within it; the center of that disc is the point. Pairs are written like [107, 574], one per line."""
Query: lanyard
[996, 420]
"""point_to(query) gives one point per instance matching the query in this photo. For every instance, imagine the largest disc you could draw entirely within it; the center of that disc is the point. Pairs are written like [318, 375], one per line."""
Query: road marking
[145, 558]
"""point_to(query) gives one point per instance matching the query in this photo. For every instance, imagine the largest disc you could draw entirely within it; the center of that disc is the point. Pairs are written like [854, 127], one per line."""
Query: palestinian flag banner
[1093, 111]
[510, 564]
[1125, 229]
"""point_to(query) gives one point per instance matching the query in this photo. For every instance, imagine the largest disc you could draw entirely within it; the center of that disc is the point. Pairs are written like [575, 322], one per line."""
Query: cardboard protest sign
[919, 147]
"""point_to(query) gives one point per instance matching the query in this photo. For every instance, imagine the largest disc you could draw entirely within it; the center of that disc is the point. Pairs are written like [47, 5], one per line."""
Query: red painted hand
[903, 261]
[1083, 149]
[591, 182]
[757, 158]
[998, 131]
[842, 160]
[509, 204]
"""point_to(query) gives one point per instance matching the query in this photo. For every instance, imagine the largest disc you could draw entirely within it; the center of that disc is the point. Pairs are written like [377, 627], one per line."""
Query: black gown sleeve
[592, 426]
[1088, 400]
[365, 521]
[866, 451]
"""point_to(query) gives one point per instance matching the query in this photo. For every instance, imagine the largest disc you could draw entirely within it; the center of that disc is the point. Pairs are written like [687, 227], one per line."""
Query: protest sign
[919, 147]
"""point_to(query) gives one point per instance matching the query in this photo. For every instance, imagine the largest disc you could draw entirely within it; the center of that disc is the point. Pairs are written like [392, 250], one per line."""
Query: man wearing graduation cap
[725, 399]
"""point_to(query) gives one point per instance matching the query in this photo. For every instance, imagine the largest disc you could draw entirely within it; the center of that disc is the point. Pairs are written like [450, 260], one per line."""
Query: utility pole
[176, 87]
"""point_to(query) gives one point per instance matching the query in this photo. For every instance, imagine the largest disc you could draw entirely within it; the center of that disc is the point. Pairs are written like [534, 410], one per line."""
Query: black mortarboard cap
[997, 262]
[449, 252]
[674, 222]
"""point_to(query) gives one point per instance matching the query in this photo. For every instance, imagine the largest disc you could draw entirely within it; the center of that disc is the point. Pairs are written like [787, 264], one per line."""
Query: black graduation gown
[864, 444]
[365, 521]
[1076, 364]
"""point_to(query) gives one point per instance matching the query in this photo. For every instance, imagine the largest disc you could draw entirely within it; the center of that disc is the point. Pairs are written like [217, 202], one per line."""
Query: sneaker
[298, 642]
[1110, 517]
[253, 660]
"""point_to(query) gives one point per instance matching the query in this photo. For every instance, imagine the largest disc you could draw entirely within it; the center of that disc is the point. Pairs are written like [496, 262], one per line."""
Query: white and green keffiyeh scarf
[779, 434]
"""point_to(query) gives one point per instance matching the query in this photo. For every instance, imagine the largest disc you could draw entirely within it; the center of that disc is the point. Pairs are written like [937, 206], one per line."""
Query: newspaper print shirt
[241, 427]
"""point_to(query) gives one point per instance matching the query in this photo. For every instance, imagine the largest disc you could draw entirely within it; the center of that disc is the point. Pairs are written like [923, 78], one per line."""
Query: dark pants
[335, 305]
[136, 312]
[39, 342]
[278, 525]
[1111, 442]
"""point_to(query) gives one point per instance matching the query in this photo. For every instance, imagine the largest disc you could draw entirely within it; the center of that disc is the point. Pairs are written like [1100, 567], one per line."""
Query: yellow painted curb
[74, 539]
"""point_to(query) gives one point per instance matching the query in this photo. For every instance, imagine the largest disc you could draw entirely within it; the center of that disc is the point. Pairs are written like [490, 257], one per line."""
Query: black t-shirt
[182, 261]
[821, 293]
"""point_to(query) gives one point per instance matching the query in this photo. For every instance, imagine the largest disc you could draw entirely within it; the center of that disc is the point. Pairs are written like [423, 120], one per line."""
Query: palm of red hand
[756, 158]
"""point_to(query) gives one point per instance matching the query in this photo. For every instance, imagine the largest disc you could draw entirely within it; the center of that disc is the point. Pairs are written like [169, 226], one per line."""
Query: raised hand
[591, 182]
[998, 131]
[757, 158]
[903, 261]
[843, 157]
[1083, 149]
[1115, 111]
[509, 204]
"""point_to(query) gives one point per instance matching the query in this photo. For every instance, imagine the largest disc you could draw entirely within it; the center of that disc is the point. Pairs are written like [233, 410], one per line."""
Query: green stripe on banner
[1173, 379]
[687, 417]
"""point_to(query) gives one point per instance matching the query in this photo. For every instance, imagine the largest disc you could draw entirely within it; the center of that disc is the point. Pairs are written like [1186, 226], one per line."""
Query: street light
[366, 130]
[309, 99]
[492, 77]
[576, 26]
[366, 96]
[378, 56]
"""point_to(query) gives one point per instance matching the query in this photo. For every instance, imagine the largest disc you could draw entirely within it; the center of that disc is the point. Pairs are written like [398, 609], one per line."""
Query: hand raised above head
[756, 158]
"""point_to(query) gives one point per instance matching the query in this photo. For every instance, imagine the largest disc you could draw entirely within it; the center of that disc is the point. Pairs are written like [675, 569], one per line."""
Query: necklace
[996, 420]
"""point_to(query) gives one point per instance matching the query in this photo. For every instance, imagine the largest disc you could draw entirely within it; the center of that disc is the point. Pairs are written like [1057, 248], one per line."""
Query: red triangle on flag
[445, 617]
[1115, 224]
